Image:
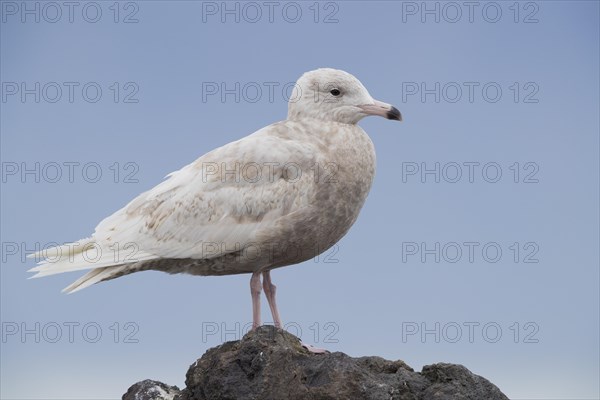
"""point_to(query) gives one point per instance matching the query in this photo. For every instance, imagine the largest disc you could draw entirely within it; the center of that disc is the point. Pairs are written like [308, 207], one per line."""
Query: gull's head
[334, 95]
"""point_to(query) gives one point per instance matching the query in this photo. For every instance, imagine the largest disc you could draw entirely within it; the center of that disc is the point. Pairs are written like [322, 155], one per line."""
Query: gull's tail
[105, 261]
[94, 276]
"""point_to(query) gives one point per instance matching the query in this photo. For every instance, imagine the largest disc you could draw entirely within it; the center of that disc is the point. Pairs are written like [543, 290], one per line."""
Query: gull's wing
[215, 203]
[223, 198]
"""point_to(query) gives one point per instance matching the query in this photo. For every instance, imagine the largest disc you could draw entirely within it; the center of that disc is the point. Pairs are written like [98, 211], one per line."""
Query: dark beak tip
[394, 114]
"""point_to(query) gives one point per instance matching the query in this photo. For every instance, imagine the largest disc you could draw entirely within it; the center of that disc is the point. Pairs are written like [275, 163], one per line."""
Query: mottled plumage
[277, 197]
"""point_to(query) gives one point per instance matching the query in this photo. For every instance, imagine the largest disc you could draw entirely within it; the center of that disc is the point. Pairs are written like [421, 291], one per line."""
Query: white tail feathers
[102, 259]
[94, 276]
[67, 248]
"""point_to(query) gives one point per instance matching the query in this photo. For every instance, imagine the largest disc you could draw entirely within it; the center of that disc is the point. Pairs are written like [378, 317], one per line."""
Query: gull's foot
[313, 349]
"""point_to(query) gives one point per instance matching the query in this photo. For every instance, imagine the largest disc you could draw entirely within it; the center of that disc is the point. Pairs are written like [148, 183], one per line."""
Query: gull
[277, 197]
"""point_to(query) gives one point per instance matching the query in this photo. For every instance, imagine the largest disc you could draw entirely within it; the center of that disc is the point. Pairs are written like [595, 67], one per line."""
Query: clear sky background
[496, 88]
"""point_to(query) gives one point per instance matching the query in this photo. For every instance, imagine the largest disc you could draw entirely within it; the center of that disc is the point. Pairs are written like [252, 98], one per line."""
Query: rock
[270, 363]
[151, 390]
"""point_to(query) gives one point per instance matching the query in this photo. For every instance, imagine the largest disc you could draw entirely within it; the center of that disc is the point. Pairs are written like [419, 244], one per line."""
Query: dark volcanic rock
[151, 390]
[270, 363]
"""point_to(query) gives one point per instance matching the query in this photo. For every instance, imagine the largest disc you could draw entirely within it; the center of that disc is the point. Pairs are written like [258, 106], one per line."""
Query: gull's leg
[270, 294]
[255, 292]
[270, 290]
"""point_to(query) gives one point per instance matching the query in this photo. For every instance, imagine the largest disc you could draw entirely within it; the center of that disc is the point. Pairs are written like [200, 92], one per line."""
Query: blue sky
[98, 112]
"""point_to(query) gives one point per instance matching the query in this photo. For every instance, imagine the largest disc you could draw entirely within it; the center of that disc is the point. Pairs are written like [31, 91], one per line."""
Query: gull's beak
[382, 109]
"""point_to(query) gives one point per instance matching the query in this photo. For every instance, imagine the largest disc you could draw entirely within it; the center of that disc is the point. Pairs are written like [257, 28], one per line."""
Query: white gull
[277, 197]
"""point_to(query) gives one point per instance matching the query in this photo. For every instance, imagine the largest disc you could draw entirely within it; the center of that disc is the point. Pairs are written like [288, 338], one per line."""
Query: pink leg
[270, 290]
[255, 292]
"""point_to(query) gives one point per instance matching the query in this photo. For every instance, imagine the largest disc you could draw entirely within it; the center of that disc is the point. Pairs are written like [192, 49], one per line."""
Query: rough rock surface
[270, 363]
[151, 390]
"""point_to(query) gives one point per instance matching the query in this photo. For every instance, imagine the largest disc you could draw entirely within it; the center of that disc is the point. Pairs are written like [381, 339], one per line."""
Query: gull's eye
[335, 92]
